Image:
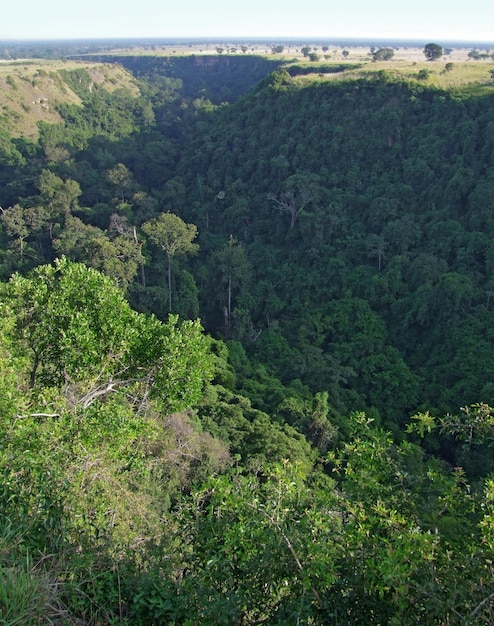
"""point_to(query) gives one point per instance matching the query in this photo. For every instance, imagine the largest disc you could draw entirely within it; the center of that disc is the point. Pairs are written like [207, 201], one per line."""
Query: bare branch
[45, 415]
[485, 601]
[109, 387]
[289, 203]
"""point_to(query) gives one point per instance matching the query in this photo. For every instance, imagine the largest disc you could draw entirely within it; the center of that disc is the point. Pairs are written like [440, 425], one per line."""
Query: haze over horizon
[382, 19]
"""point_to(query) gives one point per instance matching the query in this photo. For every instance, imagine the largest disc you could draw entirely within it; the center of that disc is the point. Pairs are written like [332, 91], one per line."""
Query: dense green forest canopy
[243, 303]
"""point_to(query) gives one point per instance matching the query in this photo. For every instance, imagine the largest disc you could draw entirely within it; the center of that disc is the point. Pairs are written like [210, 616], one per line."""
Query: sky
[431, 20]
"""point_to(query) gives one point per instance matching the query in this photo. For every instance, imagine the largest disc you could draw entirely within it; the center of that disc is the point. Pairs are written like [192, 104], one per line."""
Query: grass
[31, 89]
[471, 75]
[29, 594]
[464, 78]
[23, 597]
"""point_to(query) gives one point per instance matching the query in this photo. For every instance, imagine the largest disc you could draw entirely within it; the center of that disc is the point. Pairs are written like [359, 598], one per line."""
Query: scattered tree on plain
[383, 54]
[433, 51]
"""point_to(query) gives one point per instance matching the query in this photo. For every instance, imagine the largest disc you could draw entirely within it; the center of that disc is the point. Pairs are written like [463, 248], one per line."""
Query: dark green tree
[383, 54]
[232, 271]
[433, 51]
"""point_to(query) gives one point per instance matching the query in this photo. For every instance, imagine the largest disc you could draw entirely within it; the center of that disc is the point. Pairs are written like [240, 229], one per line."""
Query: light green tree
[14, 222]
[121, 178]
[118, 256]
[58, 195]
[80, 336]
[174, 237]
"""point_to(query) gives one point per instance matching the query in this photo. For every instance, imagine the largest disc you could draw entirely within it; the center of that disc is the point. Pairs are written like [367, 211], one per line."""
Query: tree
[174, 237]
[433, 51]
[232, 267]
[383, 54]
[58, 197]
[269, 530]
[80, 336]
[118, 256]
[478, 56]
[300, 190]
[288, 202]
[121, 178]
[21, 222]
[376, 247]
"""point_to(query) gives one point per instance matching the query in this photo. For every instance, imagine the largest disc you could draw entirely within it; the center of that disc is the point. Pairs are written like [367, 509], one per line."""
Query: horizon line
[245, 38]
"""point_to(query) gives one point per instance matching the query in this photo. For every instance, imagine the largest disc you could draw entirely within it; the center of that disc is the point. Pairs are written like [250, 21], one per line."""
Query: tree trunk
[169, 283]
[143, 273]
[230, 294]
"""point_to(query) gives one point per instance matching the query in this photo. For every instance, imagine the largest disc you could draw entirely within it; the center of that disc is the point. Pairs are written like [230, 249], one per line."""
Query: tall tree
[174, 237]
[376, 247]
[298, 191]
[233, 269]
[121, 178]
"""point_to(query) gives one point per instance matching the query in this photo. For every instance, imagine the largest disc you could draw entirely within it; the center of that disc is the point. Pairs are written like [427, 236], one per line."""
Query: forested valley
[246, 365]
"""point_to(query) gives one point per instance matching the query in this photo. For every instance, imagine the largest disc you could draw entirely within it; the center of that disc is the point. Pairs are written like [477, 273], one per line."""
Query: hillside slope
[32, 92]
[305, 459]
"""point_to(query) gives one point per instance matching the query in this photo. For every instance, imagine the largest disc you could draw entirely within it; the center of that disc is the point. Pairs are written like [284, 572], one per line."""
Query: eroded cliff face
[32, 92]
[219, 77]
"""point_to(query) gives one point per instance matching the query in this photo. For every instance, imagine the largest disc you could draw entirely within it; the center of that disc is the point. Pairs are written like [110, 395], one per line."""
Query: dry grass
[465, 78]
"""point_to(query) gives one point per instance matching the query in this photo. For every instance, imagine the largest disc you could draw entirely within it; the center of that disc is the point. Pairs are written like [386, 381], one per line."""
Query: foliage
[433, 51]
[80, 335]
[174, 237]
[383, 54]
[342, 236]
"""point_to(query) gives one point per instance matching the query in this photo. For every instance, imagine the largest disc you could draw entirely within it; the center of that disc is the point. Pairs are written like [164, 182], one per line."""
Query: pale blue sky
[435, 20]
